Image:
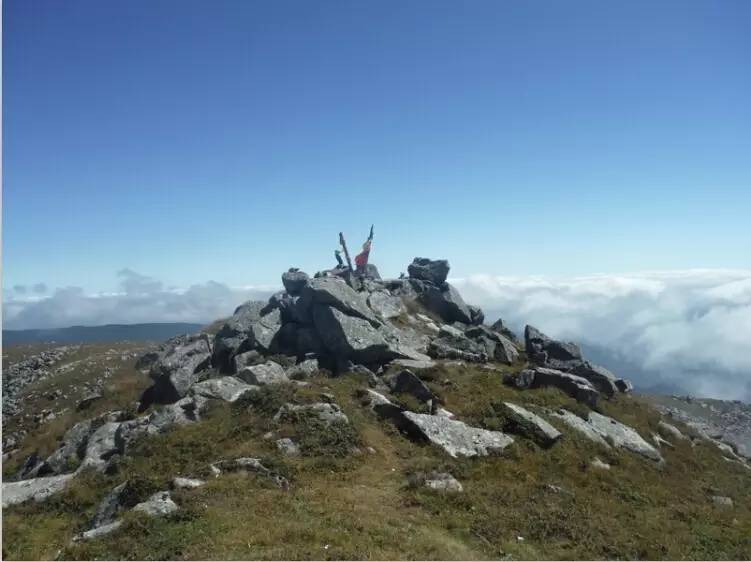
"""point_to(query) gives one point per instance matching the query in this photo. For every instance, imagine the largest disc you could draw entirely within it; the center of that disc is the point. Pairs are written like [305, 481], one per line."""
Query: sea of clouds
[678, 331]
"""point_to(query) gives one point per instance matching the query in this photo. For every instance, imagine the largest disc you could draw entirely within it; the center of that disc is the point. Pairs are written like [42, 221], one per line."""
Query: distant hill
[106, 333]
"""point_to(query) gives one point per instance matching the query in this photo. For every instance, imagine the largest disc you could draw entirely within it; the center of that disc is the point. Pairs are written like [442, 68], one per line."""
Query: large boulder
[335, 293]
[580, 425]
[252, 326]
[294, 281]
[543, 350]
[424, 269]
[457, 438]
[503, 349]
[37, 489]
[385, 304]
[177, 368]
[446, 302]
[602, 379]
[101, 447]
[452, 343]
[406, 382]
[352, 337]
[71, 450]
[527, 423]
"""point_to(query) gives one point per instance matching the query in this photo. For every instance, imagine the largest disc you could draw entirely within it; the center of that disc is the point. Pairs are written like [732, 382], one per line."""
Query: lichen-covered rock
[177, 369]
[580, 425]
[158, 505]
[71, 450]
[457, 438]
[622, 436]
[335, 293]
[37, 489]
[252, 326]
[267, 373]
[574, 386]
[101, 447]
[385, 304]
[227, 388]
[438, 481]
[531, 425]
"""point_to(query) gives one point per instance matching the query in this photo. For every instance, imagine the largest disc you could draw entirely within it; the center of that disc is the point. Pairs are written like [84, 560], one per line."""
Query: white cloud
[688, 330]
[141, 299]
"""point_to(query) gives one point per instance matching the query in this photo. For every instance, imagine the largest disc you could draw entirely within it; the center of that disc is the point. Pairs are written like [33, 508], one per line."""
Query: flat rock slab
[531, 425]
[37, 489]
[580, 425]
[457, 438]
[228, 389]
[623, 436]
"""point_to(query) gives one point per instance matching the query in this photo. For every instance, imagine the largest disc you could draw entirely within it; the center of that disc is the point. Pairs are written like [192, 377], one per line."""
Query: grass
[342, 505]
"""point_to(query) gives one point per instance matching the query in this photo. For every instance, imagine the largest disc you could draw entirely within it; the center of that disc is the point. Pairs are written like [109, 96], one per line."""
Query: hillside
[358, 419]
[106, 333]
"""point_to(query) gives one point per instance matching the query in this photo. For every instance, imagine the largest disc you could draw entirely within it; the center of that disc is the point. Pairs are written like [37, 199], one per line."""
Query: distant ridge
[106, 333]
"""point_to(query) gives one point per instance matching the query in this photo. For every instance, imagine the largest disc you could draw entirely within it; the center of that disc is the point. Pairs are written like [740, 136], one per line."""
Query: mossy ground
[344, 505]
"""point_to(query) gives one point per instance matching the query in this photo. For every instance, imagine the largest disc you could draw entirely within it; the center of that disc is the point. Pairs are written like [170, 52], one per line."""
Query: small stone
[186, 483]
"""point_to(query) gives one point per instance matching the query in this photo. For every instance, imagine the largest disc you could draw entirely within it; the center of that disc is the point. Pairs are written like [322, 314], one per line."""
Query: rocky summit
[353, 416]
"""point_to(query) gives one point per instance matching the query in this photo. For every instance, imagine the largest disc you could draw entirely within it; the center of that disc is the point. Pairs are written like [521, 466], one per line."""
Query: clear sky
[229, 140]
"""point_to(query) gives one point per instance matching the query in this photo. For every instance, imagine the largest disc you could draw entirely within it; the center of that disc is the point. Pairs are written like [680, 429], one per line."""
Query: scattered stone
[288, 447]
[531, 425]
[248, 464]
[722, 501]
[457, 438]
[438, 481]
[158, 505]
[97, 532]
[597, 463]
[335, 293]
[180, 483]
[177, 369]
[267, 373]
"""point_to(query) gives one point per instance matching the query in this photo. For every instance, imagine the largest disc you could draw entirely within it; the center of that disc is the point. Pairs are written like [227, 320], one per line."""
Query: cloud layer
[140, 299]
[682, 330]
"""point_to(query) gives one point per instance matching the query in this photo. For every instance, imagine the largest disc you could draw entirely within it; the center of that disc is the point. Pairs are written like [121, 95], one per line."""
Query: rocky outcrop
[576, 387]
[581, 425]
[437, 481]
[457, 438]
[176, 368]
[567, 357]
[531, 425]
[101, 447]
[252, 326]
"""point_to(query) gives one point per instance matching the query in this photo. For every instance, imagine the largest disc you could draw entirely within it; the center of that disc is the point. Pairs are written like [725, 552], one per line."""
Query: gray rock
[268, 373]
[246, 359]
[503, 349]
[303, 370]
[37, 489]
[574, 386]
[98, 532]
[88, 400]
[580, 425]
[158, 505]
[522, 380]
[476, 314]
[288, 447]
[182, 412]
[441, 482]
[385, 305]
[415, 364]
[248, 328]
[71, 450]
[433, 271]
[531, 425]
[295, 281]
[110, 506]
[351, 337]
[335, 293]
[659, 441]
[624, 385]
[227, 388]
[457, 438]
[623, 436]
[722, 501]
[406, 382]
[446, 302]
[251, 465]
[670, 430]
[100, 447]
[325, 412]
[180, 483]
[537, 343]
[178, 367]
[500, 327]
[602, 379]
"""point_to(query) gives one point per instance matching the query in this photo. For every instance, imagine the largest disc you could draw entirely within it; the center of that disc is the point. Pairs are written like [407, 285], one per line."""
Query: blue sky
[229, 140]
